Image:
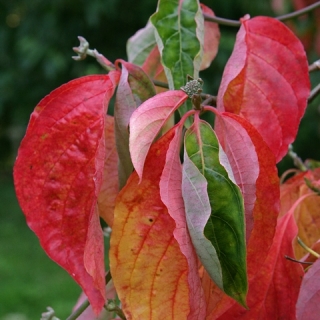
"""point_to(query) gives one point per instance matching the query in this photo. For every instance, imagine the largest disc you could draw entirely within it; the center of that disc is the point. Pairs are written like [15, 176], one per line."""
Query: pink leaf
[171, 196]
[58, 174]
[211, 39]
[266, 81]
[147, 121]
[308, 306]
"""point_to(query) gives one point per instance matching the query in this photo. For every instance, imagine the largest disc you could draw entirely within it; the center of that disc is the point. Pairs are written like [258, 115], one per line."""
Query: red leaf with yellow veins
[266, 81]
[148, 269]
[146, 122]
[58, 174]
[110, 186]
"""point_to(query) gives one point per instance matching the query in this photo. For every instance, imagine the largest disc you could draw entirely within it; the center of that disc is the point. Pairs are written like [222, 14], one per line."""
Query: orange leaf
[147, 266]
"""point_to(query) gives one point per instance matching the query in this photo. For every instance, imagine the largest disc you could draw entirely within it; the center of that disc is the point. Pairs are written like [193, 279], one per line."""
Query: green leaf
[225, 227]
[179, 34]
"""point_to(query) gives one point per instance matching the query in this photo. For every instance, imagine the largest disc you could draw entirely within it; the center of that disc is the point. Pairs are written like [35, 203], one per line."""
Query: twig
[294, 260]
[315, 254]
[314, 66]
[314, 92]
[296, 159]
[76, 313]
[236, 23]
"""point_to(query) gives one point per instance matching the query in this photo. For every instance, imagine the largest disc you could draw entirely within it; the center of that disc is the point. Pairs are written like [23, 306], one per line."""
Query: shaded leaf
[171, 196]
[274, 291]
[134, 88]
[179, 35]
[58, 174]
[266, 81]
[148, 269]
[308, 306]
[224, 226]
[110, 186]
[147, 121]
[211, 39]
[140, 45]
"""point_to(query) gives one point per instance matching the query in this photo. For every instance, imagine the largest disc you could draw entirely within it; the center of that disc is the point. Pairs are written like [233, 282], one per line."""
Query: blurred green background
[36, 40]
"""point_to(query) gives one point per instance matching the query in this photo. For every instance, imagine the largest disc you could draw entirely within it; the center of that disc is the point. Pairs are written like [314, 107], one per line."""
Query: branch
[236, 23]
[314, 92]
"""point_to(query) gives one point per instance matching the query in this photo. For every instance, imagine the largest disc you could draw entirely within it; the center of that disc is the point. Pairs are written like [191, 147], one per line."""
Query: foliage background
[36, 40]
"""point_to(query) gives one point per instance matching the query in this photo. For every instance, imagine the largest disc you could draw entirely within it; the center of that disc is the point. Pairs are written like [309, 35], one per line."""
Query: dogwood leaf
[266, 81]
[179, 35]
[148, 269]
[223, 226]
[134, 88]
[308, 306]
[58, 175]
[147, 121]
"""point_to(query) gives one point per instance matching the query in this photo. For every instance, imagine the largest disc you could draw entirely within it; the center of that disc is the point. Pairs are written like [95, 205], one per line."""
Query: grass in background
[29, 280]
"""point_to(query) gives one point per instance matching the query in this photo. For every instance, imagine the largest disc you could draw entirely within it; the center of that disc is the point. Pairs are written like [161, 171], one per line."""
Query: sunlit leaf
[224, 224]
[266, 81]
[147, 266]
[134, 88]
[147, 121]
[179, 34]
[58, 174]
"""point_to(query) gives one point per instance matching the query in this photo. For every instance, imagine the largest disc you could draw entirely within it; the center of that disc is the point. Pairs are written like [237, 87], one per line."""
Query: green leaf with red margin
[265, 212]
[171, 196]
[223, 225]
[266, 81]
[308, 306]
[179, 34]
[110, 185]
[58, 174]
[134, 88]
[274, 291]
[148, 269]
[146, 122]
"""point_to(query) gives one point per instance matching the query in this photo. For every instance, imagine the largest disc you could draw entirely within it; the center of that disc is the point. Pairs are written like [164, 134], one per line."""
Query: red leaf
[148, 269]
[58, 174]
[308, 306]
[266, 81]
[211, 39]
[171, 195]
[110, 186]
[147, 121]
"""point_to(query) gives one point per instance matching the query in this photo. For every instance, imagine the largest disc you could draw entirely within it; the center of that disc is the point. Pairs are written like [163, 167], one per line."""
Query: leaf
[211, 39]
[295, 191]
[171, 196]
[58, 174]
[140, 45]
[243, 158]
[147, 266]
[224, 226]
[308, 306]
[110, 186]
[274, 291]
[146, 122]
[266, 81]
[179, 35]
[134, 88]
[265, 213]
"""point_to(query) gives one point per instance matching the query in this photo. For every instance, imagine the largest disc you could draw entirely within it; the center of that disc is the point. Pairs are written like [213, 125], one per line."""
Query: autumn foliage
[201, 228]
